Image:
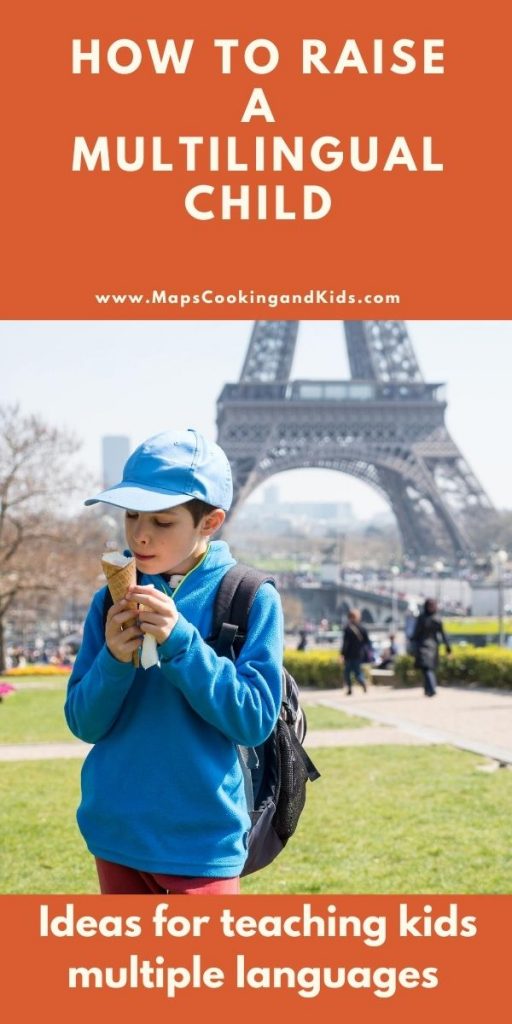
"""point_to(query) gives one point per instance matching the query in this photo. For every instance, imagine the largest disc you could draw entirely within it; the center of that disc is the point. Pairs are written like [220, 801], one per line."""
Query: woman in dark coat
[356, 649]
[428, 634]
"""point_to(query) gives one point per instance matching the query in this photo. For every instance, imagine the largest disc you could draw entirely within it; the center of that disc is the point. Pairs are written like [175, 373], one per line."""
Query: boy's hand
[122, 641]
[158, 616]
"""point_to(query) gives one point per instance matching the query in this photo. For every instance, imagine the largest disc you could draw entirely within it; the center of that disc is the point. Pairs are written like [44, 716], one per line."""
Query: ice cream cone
[121, 573]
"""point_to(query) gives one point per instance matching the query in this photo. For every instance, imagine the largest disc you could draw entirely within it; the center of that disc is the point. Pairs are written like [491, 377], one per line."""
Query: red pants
[118, 879]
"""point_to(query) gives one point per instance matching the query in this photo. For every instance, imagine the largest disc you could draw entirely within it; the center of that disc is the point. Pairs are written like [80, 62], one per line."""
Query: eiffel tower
[385, 425]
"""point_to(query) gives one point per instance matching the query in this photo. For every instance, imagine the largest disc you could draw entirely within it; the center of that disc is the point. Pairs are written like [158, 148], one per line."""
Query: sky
[141, 377]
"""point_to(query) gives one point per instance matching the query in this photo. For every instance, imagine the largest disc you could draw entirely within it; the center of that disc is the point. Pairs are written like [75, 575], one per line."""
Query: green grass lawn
[381, 819]
[34, 716]
[42, 850]
[399, 819]
[320, 717]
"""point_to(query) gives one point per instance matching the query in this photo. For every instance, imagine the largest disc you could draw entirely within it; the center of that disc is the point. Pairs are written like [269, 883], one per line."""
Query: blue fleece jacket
[162, 788]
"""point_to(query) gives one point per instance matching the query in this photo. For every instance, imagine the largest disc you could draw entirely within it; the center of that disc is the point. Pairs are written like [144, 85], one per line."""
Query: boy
[163, 806]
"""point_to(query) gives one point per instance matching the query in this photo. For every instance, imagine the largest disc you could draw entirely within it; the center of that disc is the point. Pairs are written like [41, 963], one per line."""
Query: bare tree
[38, 477]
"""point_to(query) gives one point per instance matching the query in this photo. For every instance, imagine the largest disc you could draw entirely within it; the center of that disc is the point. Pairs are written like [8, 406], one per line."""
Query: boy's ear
[213, 521]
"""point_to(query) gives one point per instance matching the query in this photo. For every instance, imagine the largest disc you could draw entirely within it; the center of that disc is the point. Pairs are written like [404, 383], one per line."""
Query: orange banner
[218, 160]
[392, 958]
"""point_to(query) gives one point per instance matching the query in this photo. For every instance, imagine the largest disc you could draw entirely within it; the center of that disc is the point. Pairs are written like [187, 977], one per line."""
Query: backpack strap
[237, 590]
[356, 631]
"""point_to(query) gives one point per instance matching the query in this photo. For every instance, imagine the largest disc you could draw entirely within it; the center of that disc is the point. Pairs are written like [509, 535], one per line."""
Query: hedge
[477, 627]
[323, 669]
[487, 666]
[37, 670]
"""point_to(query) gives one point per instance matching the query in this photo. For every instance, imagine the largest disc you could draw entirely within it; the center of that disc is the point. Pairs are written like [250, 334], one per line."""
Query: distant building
[115, 450]
[336, 511]
[316, 518]
[330, 572]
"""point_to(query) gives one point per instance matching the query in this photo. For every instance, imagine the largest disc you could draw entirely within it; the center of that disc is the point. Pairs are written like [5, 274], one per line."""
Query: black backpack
[276, 772]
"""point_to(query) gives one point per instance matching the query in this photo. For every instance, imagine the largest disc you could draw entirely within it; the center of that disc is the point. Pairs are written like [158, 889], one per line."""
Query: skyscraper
[115, 451]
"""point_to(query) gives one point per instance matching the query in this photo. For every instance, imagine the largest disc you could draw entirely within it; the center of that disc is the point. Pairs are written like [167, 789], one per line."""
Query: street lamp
[500, 559]
[438, 568]
[395, 571]
[461, 570]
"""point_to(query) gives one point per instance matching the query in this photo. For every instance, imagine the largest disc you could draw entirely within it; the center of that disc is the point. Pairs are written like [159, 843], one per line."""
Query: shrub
[314, 668]
[487, 666]
[37, 670]
[323, 669]
[476, 627]
[404, 670]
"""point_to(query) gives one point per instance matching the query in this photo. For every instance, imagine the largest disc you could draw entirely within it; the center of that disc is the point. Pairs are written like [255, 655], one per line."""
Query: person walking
[427, 636]
[356, 649]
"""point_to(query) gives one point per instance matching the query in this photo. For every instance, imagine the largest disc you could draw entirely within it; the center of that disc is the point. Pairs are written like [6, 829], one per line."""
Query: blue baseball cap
[170, 469]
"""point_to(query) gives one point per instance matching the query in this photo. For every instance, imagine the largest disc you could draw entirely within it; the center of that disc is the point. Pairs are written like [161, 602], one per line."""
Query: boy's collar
[173, 578]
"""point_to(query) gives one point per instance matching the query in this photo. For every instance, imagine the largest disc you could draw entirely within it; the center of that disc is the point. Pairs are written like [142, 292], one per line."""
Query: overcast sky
[140, 377]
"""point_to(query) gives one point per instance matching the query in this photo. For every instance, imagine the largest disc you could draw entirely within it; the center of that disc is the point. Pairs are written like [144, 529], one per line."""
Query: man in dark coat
[356, 649]
[428, 634]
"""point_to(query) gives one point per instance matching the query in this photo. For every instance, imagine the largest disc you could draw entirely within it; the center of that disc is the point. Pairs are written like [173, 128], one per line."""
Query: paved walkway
[42, 751]
[471, 719]
[363, 737]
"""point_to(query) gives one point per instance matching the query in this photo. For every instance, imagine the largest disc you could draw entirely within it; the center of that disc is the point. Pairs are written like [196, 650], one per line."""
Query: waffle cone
[118, 580]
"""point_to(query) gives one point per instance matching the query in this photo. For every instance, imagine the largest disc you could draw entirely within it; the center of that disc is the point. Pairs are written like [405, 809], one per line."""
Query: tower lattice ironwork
[385, 425]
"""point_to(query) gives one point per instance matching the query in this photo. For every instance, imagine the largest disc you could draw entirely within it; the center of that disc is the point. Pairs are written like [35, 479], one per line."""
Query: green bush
[404, 670]
[487, 666]
[37, 670]
[476, 627]
[323, 669]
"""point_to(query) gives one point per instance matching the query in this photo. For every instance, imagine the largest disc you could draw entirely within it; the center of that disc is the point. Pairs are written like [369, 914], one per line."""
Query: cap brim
[139, 499]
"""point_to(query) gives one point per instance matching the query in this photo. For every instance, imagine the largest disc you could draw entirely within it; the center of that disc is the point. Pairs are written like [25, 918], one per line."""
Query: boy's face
[168, 541]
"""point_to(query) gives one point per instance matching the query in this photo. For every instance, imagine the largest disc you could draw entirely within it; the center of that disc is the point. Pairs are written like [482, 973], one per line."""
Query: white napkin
[149, 653]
